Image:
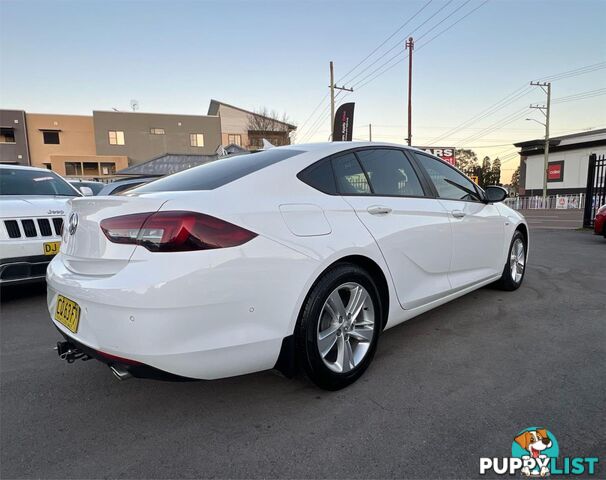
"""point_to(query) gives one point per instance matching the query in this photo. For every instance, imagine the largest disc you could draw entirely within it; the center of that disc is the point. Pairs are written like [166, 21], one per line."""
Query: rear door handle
[378, 210]
[458, 213]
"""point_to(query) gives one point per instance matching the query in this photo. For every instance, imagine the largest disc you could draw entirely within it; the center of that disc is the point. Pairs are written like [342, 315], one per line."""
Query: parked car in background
[95, 187]
[33, 203]
[298, 255]
[599, 224]
[119, 186]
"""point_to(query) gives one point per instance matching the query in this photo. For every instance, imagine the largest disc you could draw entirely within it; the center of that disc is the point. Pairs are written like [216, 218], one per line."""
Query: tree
[495, 173]
[262, 120]
[515, 180]
[486, 173]
[467, 160]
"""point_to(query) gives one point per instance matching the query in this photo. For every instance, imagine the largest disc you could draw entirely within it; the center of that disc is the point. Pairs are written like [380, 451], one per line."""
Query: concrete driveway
[445, 388]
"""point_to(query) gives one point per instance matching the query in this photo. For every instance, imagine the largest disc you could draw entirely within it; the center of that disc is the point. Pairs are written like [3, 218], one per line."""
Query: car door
[477, 227]
[411, 229]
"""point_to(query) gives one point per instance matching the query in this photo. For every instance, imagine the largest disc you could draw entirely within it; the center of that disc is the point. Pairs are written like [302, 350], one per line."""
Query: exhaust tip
[120, 373]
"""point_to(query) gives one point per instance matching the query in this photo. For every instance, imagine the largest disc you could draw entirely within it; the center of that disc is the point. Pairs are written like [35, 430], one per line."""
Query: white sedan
[295, 258]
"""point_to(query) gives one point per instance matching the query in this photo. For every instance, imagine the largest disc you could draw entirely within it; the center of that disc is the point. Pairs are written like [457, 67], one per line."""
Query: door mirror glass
[495, 194]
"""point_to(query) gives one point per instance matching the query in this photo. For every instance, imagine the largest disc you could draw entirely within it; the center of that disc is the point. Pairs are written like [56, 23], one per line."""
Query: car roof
[22, 167]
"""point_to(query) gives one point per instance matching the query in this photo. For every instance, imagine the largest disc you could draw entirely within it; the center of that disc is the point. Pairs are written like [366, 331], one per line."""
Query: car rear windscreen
[218, 173]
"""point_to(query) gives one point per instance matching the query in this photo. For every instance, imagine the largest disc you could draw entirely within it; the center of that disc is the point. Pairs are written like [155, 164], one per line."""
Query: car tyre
[338, 327]
[515, 266]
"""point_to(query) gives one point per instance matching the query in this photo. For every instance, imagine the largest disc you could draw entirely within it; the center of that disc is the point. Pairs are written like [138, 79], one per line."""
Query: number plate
[51, 248]
[67, 313]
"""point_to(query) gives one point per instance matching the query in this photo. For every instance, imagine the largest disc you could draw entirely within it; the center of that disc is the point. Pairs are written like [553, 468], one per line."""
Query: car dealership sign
[445, 153]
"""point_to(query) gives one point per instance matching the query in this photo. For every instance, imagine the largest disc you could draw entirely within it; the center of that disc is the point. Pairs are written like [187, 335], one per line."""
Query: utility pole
[545, 110]
[370, 132]
[410, 45]
[334, 87]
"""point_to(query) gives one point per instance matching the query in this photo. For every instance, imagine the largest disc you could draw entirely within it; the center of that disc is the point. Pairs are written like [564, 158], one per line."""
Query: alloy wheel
[517, 259]
[346, 327]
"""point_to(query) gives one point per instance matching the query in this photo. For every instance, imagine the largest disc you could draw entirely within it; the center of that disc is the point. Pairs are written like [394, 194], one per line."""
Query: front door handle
[458, 213]
[378, 210]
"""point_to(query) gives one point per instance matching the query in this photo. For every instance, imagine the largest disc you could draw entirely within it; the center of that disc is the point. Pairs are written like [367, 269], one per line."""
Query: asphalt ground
[554, 219]
[446, 388]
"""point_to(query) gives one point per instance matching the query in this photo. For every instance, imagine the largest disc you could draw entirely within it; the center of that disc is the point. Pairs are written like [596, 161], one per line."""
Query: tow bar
[68, 351]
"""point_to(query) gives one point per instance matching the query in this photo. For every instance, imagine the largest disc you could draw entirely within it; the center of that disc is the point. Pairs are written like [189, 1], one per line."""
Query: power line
[312, 113]
[385, 41]
[444, 19]
[398, 45]
[358, 86]
[485, 113]
[504, 102]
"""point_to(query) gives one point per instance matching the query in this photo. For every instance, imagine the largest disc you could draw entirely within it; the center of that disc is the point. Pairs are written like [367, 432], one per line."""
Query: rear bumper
[23, 269]
[135, 369]
[201, 315]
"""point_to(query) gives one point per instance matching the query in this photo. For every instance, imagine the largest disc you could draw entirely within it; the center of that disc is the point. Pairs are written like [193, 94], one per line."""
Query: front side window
[449, 183]
[51, 137]
[116, 137]
[349, 176]
[33, 182]
[196, 139]
[390, 173]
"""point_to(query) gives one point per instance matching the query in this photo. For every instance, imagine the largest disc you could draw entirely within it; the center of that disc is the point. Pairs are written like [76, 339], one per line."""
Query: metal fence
[563, 202]
[596, 188]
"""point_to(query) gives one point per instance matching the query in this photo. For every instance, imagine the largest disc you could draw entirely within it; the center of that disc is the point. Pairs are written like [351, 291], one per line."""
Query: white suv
[32, 210]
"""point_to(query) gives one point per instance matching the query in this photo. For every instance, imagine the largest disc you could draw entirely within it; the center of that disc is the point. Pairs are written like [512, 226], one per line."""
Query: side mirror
[86, 191]
[495, 194]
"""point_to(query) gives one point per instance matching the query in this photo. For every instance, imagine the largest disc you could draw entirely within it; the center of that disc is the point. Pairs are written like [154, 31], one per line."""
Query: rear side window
[218, 173]
[390, 173]
[349, 176]
[449, 183]
[320, 176]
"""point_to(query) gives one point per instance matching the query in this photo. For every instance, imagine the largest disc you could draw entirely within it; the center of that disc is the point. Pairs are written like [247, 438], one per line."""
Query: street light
[535, 120]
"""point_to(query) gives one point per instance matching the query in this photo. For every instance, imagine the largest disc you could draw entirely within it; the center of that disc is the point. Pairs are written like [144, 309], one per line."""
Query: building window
[108, 168]
[73, 168]
[156, 131]
[90, 168]
[196, 139]
[51, 137]
[7, 135]
[116, 137]
[235, 139]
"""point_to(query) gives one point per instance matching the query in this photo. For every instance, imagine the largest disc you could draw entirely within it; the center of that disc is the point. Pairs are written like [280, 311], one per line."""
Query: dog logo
[72, 224]
[538, 444]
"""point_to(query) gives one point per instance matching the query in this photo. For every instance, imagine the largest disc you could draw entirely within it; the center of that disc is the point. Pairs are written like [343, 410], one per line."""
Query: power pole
[545, 110]
[370, 132]
[334, 87]
[332, 98]
[410, 45]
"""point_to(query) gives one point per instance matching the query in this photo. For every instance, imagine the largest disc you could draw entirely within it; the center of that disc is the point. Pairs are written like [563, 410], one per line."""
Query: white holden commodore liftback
[295, 258]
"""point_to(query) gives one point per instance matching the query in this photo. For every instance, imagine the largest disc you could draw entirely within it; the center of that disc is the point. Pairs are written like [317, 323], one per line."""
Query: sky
[174, 56]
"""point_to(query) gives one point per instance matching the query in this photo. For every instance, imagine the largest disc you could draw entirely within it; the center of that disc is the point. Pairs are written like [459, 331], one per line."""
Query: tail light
[174, 231]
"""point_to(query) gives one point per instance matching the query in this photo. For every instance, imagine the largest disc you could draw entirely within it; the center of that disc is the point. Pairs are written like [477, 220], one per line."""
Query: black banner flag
[343, 127]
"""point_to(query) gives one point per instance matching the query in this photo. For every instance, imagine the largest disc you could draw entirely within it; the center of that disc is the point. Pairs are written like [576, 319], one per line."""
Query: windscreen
[33, 182]
[219, 172]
